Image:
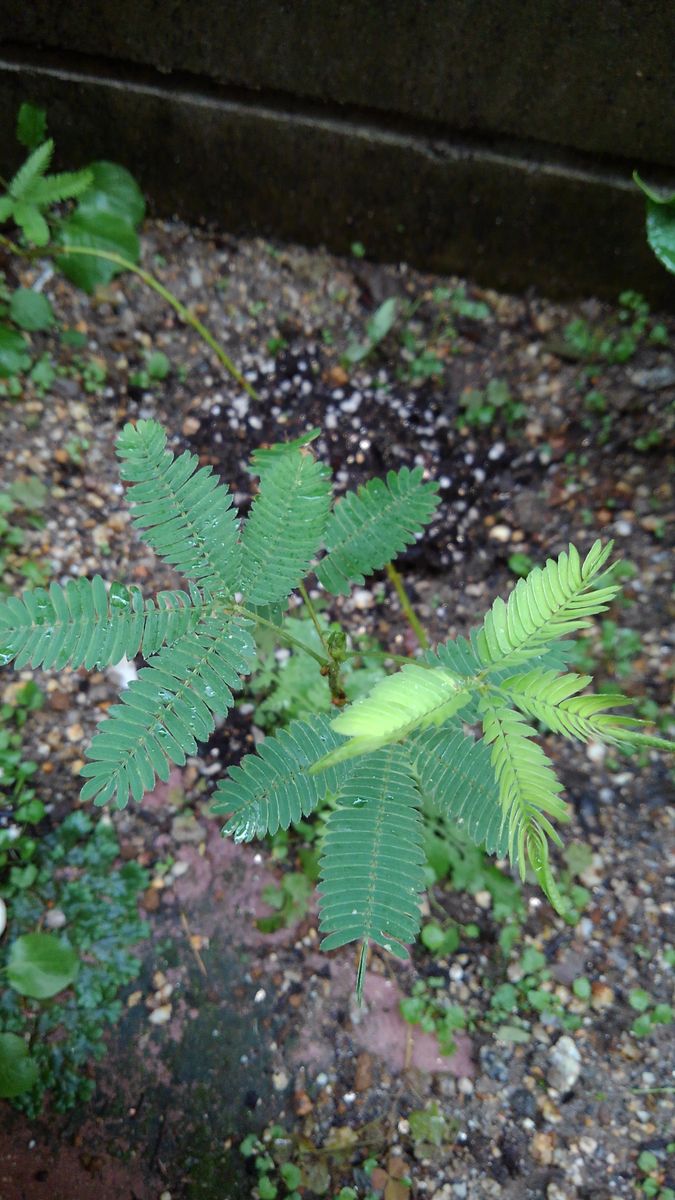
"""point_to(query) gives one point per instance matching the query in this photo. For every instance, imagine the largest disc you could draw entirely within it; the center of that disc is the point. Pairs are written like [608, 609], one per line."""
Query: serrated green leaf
[31, 222]
[112, 190]
[455, 774]
[413, 698]
[96, 231]
[82, 624]
[34, 167]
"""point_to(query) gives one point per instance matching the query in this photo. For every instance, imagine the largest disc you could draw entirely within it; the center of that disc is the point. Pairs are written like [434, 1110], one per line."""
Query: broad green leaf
[18, 1072]
[98, 231]
[30, 310]
[14, 356]
[40, 965]
[113, 190]
[31, 125]
[661, 232]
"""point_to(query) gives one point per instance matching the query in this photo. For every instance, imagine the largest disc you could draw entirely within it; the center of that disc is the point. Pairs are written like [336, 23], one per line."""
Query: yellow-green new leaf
[529, 790]
[553, 699]
[550, 603]
[413, 698]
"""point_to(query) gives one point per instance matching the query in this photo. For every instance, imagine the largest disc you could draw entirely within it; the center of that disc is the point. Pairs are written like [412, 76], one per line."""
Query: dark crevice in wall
[433, 139]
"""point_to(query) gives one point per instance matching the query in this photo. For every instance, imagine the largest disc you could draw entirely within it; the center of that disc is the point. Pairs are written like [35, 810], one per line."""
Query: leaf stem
[314, 615]
[281, 633]
[411, 616]
[126, 265]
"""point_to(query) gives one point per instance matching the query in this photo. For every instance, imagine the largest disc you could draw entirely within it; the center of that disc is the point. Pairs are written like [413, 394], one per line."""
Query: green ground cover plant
[86, 222]
[398, 751]
[72, 920]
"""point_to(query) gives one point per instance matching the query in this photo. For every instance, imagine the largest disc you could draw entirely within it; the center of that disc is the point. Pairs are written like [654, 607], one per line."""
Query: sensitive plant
[400, 750]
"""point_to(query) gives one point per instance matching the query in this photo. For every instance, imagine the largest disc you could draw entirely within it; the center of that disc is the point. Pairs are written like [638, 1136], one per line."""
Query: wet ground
[228, 1029]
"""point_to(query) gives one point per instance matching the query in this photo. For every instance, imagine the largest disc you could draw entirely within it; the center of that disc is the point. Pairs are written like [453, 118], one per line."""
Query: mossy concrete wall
[479, 136]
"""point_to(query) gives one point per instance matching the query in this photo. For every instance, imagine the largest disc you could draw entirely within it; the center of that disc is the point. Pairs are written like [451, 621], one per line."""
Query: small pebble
[160, 1016]
[564, 1065]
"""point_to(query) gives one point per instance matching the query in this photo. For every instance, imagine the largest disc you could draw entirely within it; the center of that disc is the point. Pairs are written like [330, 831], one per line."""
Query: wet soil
[253, 1027]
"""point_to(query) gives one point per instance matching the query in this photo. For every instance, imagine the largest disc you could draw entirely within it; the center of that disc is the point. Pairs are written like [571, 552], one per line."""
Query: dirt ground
[257, 1028]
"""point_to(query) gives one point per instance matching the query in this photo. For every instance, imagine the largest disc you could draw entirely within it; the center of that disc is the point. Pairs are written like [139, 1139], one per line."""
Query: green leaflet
[167, 710]
[547, 605]
[285, 528]
[413, 698]
[84, 624]
[552, 698]
[370, 527]
[372, 868]
[266, 457]
[272, 788]
[529, 791]
[187, 515]
[455, 773]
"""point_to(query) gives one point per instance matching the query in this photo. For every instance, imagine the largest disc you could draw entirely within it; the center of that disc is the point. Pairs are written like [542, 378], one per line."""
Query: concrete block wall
[487, 137]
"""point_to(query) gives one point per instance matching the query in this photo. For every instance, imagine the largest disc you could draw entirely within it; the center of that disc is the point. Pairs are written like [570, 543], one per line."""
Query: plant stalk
[125, 264]
[408, 610]
[281, 633]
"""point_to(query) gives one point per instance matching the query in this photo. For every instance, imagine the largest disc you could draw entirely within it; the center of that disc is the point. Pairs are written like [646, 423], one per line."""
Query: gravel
[560, 1116]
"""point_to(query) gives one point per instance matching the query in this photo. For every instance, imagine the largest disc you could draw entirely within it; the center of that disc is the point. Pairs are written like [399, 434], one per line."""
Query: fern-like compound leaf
[271, 789]
[456, 775]
[529, 790]
[167, 710]
[372, 868]
[554, 700]
[266, 457]
[31, 170]
[413, 698]
[84, 624]
[30, 220]
[285, 528]
[550, 603]
[370, 527]
[186, 514]
[64, 186]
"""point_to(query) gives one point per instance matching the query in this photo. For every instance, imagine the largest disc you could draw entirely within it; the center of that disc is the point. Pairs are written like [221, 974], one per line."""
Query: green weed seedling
[385, 760]
[423, 352]
[20, 510]
[617, 342]
[429, 1007]
[155, 371]
[652, 1171]
[649, 1013]
[483, 408]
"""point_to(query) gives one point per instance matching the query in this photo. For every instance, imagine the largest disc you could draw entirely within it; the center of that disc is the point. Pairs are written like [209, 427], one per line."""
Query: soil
[254, 1028]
